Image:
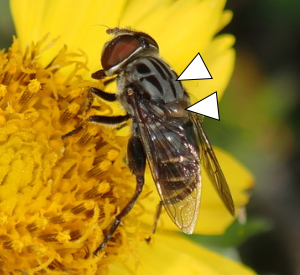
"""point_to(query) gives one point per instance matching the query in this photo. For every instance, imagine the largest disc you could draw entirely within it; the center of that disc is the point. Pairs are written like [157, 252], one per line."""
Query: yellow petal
[188, 26]
[219, 59]
[225, 19]
[76, 23]
[214, 217]
[173, 254]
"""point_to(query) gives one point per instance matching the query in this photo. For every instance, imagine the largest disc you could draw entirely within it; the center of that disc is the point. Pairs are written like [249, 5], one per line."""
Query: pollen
[3, 219]
[112, 154]
[104, 165]
[75, 93]
[58, 196]
[63, 237]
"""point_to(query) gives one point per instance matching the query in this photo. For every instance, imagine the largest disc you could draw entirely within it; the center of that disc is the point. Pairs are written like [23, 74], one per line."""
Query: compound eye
[149, 39]
[118, 50]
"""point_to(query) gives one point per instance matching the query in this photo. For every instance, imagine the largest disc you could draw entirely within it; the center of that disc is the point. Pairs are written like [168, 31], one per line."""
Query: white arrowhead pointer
[195, 70]
[207, 107]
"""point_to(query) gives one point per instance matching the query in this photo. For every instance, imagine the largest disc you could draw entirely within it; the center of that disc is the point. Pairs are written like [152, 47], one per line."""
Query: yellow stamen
[70, 112]
[11, 71]
[53, 211]
[33, 87]
[3, 91]
[3, 219]
[112, 154]
[63, 237]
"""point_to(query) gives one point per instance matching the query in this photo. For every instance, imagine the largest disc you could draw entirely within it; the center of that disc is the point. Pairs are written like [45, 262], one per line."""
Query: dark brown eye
[119, 49]
[148, 38]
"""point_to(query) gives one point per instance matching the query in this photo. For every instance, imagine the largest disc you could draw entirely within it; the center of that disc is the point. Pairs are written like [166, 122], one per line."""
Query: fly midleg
[137, 163]
[111, 120]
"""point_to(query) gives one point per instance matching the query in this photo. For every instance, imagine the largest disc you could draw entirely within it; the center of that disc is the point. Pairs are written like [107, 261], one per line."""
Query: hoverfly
[170, 138]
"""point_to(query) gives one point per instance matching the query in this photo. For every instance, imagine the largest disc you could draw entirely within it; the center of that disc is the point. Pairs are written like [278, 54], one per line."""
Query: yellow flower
[58, 197]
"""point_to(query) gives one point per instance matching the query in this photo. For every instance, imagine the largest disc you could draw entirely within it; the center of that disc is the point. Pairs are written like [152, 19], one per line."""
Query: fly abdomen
[178, 180]
[178, 171]
[177, 175]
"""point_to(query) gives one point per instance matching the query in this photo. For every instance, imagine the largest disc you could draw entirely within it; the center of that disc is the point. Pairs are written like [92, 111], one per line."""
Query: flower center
[57, 196]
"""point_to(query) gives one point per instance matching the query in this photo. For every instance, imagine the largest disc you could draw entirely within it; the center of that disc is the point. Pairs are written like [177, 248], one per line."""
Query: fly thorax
[156, 80]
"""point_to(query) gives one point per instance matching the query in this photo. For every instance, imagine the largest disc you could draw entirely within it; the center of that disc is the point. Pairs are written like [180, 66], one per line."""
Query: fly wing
[173, 156]
[212, 167]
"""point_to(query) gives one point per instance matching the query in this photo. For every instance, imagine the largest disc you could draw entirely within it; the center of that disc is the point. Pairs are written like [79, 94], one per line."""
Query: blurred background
[265, 93]
[262, 132]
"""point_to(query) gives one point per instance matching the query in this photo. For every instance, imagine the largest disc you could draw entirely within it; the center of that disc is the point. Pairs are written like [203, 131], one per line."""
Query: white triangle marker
[207, 107]
[195, 70]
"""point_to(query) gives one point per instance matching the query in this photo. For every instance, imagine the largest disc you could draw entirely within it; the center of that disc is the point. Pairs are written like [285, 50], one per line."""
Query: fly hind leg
[156, 218]
[137, 163]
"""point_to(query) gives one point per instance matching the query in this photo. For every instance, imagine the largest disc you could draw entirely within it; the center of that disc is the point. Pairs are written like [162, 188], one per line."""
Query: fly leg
[102, 75]
[100, 93]
[100, 119]
[157, 215]
[137, 163]
[156, 218]
[111, 120]
[104, 95]
[99, 74]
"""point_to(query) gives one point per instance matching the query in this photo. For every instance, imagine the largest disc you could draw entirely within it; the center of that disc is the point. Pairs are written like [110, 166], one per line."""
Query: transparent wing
[172, 152]
[212, 167]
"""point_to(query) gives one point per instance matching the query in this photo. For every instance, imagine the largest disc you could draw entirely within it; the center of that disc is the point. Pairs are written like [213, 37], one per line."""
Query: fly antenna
[101, 26]
[105, 26]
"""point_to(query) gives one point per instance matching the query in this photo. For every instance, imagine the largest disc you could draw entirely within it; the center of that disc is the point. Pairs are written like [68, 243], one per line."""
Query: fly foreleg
[104, 95]
[99, 74]
[137, 163]
[100, 93]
